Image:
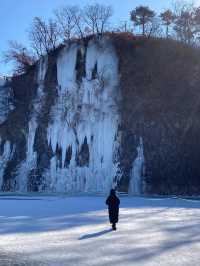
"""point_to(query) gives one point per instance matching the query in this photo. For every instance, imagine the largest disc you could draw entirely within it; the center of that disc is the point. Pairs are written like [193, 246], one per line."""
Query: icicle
[135, 186]
[85, 110]
[4, 158]
[6, 105]
[31, 156]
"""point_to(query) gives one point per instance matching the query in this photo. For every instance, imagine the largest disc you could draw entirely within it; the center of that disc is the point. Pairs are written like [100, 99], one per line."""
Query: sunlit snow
[75, 231]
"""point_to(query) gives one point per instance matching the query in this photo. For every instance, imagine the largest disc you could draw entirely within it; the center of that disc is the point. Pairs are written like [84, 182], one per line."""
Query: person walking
[113, 203]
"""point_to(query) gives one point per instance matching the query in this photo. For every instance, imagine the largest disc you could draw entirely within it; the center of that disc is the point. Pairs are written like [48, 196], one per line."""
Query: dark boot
[114, 227]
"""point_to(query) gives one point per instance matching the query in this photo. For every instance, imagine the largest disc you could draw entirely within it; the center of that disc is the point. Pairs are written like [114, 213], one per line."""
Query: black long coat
[113, 208]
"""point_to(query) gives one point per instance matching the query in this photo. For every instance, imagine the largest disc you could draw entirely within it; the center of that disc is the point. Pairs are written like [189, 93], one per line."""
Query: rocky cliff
[101, 113]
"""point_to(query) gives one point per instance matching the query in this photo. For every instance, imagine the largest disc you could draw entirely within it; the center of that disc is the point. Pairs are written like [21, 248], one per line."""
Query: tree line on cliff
[180, 22]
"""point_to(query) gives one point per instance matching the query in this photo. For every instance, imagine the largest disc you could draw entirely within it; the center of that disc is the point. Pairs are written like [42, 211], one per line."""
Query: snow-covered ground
[75, 231]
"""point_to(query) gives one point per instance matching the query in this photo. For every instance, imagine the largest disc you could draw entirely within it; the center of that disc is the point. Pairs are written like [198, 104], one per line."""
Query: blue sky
[16, 16]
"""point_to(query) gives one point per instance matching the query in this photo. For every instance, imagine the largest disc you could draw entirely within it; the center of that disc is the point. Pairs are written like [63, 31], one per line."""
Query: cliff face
[103, 113]
[160, 106]
[69, 138]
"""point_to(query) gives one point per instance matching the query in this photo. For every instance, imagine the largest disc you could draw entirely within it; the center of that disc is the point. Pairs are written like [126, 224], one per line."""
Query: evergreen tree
[141, 16]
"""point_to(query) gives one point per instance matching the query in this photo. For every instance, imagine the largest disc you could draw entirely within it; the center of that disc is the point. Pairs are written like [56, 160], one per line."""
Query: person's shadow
[95, 234]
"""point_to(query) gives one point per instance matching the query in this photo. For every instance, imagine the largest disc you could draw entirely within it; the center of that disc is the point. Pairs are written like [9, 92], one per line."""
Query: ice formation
[6, 97]
[135, 186]
[81, 131]
[85, 121]
[5, 155]
[31, 156]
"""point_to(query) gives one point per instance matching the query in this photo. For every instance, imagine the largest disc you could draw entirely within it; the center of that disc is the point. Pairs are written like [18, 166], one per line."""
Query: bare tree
[178, 6]
[66, 19]
[38, 36]
[123, 26]
[44, 37]
[197, 23]
[184, 23]
[20, 56]
[185, 27]
[153, 28]
[97, 17]
[71, 22]
[80, 29]
[53, 34]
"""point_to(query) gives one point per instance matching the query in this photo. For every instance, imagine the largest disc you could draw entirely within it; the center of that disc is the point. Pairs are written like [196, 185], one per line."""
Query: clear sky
[17, 15]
